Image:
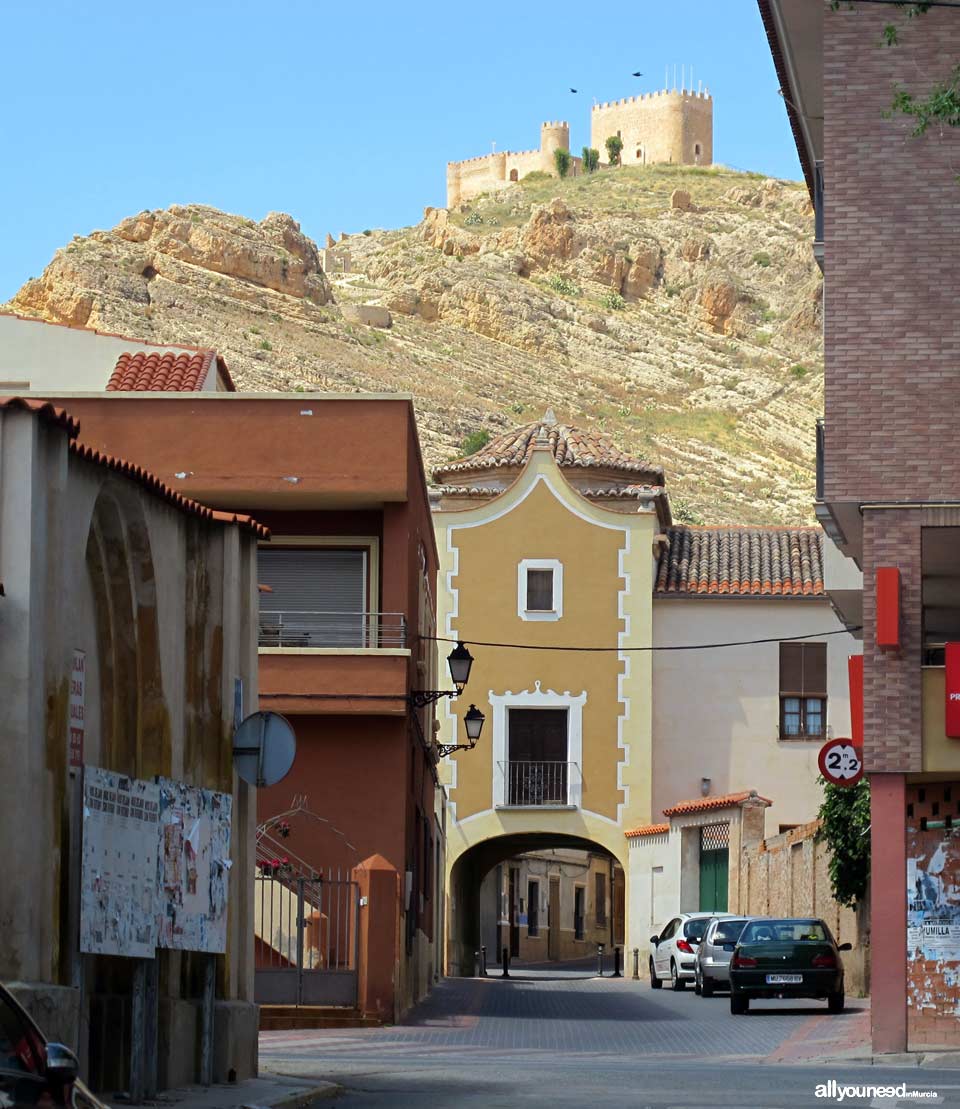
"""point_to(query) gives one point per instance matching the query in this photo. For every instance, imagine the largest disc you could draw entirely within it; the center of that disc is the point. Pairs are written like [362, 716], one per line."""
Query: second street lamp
[473, 723]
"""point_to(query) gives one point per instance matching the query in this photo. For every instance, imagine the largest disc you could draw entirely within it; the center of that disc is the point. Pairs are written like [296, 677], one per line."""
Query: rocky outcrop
[673, 328]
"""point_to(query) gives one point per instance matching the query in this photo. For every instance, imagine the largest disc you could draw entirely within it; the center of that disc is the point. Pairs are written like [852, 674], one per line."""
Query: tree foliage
[590, 159]
[614, 146]
[562, 160]
[845, 816]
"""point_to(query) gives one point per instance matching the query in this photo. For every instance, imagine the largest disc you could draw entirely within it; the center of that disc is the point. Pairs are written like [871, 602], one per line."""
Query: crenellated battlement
[553, 124]
[684, 94]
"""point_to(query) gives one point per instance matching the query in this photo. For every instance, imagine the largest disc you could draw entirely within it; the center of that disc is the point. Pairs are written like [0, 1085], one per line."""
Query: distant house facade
[551, 537]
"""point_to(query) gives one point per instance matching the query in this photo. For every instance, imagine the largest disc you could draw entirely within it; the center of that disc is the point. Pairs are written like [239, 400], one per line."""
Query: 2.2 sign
[841, 762]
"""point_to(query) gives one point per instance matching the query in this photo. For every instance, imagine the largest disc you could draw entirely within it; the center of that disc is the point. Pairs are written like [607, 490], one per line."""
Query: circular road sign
[263, 748]
[841, 762]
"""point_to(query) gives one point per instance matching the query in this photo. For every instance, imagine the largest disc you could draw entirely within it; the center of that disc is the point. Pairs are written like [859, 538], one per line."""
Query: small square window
[539, 591]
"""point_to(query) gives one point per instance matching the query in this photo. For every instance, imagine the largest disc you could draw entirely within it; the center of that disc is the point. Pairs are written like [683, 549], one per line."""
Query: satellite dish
[264, 746]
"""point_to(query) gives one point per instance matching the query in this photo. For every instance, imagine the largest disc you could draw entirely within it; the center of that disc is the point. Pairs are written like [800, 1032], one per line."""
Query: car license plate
[784, 979]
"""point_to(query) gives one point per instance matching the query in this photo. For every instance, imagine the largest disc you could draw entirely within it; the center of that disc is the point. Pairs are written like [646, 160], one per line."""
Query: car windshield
[728, 931]
[694, 929]
[784, 931]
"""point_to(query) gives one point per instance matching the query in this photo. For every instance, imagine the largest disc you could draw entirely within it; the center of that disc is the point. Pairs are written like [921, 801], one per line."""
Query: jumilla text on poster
[838, 1092]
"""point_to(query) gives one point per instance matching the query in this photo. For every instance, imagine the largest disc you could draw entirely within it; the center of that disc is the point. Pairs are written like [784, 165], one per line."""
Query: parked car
[712, 964]
[786, 958]
[675, 949]
[33, 1070]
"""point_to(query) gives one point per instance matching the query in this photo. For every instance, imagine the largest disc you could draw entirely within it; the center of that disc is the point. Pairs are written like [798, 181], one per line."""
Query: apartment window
[533, 908]
[537, 753]
[601, 899]
[540, 589]
[803, 690]
[317, 596]
[579, 898]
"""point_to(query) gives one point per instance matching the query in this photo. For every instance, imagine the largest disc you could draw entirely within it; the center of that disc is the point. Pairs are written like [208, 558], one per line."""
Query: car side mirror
[729, 946]
[61, 1065]
[655, 940]
[845, 947]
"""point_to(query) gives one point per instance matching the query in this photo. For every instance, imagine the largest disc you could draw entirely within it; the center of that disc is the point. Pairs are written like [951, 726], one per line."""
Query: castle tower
[667, 126]
[553, 136]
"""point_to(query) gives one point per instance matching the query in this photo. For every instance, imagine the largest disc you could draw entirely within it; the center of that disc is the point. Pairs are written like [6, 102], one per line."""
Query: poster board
[193, 871]
[118, 899]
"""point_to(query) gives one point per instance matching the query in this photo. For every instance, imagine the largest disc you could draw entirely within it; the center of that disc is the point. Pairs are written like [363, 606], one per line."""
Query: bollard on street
[505, 956]
[483, 961]
[636, 963]
[617, 953]
[600, 960]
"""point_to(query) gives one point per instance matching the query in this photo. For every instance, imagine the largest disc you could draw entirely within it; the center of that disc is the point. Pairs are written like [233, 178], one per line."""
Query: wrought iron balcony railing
[332, 629]
[540, 783]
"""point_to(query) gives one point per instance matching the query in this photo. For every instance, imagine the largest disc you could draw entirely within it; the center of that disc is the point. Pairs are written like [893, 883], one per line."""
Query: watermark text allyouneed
[841, 1091]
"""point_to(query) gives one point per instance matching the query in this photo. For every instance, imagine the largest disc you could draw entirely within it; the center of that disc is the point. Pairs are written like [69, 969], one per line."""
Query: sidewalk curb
[301, 1096]
[947, 1060]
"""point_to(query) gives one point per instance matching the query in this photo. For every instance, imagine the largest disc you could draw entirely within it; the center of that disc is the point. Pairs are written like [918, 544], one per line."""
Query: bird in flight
[638, 74]
[574, 90]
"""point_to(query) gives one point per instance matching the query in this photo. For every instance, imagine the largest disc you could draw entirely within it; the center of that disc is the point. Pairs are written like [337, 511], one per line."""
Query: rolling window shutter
[312, 579]
[803, 669]
[791, 668]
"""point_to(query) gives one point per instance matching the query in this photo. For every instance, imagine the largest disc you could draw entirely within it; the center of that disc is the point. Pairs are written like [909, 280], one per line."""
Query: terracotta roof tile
[706, 804]
[648, 830]
[571, 446]
[156, 486]
[161, 373]
[45, 410]
[741, 561]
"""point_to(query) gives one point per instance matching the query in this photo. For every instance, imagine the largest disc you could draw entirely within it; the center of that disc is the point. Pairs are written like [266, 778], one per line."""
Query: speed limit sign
[841, 762]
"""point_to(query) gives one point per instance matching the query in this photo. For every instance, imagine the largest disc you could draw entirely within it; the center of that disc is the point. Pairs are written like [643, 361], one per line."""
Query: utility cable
[671, 647]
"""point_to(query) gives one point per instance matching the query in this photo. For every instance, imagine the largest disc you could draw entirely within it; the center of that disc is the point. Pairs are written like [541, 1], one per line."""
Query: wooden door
[553, 920]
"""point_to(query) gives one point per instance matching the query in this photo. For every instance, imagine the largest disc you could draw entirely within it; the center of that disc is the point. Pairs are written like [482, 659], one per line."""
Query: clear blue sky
[343, 114]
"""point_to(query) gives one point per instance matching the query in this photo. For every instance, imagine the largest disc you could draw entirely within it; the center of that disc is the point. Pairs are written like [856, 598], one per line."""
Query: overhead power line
[670, 647]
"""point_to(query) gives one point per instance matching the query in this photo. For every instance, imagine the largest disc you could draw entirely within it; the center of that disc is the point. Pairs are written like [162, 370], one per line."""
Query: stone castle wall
[662, 126]
[479, 175]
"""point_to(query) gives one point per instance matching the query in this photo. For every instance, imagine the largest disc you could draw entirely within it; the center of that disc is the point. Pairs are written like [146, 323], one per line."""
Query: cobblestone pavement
[569, 1040]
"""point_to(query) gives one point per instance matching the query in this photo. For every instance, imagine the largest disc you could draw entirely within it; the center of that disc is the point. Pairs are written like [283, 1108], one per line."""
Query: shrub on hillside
[474, 442]
[563, 285]
[590, 159]
[561, 159]
[614, 147]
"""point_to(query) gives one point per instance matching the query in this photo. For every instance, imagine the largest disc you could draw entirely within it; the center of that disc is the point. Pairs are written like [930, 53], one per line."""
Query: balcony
[332, 630]
[540, 784]
[334, 662]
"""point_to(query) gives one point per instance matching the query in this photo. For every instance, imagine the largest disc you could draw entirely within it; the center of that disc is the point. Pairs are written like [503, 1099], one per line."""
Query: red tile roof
[156, 486]
[571, 446]
[741, 561]
[648, 830]
[45, 410]
[161, 373]
[706, 804]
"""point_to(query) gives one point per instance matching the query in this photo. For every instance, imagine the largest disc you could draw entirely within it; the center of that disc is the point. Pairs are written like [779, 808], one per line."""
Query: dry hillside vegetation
[688, 332]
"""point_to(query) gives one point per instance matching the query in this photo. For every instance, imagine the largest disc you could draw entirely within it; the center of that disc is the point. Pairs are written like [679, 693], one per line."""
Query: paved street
[567, 1039]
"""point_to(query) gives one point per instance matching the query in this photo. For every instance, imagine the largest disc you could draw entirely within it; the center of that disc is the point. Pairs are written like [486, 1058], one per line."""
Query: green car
[786, 958]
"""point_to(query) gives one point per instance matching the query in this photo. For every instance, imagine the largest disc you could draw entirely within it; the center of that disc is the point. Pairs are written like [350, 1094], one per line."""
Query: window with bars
[803, 690]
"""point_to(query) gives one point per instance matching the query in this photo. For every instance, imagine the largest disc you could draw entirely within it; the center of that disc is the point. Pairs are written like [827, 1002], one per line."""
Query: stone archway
[464, 929]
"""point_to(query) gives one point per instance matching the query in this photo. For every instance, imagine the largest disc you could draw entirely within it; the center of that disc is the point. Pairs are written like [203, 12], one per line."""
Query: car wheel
[739, 1004]
[706, 987]
[835, 1002]
[675, 980]
[696, 981]
[655, 982]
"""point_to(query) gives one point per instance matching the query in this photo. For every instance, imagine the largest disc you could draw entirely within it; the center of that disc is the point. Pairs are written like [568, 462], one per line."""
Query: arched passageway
[545, 896]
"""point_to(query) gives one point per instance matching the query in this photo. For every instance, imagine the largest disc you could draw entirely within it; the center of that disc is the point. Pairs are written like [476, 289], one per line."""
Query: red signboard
[841, 762]
[888, 607]
[952, 707]
[855, 675]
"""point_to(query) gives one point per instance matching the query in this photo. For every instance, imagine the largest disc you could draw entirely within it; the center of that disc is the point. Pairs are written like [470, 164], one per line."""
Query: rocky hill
[678, 310]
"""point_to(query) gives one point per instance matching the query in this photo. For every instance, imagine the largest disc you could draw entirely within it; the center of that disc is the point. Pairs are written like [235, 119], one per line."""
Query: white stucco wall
[37, 356]
[716, 713]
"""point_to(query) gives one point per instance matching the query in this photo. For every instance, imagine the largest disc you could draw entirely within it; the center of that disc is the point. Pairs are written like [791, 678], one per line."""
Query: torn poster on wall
[933, 907]
[194, 867]
[118, 901]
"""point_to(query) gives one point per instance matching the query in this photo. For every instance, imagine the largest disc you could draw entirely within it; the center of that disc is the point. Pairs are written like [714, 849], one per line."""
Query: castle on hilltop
[672, 126]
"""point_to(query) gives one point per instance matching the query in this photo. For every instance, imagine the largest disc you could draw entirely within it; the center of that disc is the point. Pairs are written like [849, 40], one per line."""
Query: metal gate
[306, 931]
[714, 867]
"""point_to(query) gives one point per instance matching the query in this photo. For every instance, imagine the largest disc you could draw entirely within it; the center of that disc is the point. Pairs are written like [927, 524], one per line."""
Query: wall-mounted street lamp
[459, 661]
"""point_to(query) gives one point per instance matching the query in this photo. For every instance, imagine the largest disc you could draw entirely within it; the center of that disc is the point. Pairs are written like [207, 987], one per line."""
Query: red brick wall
[892, 234]
[892, 680]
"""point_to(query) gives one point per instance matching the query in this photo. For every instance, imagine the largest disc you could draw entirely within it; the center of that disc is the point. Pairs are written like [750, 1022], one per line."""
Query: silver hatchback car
[712, 968]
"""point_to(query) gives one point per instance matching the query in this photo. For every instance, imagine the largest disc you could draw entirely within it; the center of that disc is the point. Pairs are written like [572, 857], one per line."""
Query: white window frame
[556, 566]
[538, 699]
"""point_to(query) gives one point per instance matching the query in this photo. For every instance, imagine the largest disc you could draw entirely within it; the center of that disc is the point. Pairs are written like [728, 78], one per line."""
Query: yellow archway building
[547, 538]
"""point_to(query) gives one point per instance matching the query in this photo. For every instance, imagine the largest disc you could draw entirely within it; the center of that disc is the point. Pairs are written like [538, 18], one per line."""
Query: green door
[714, 867]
